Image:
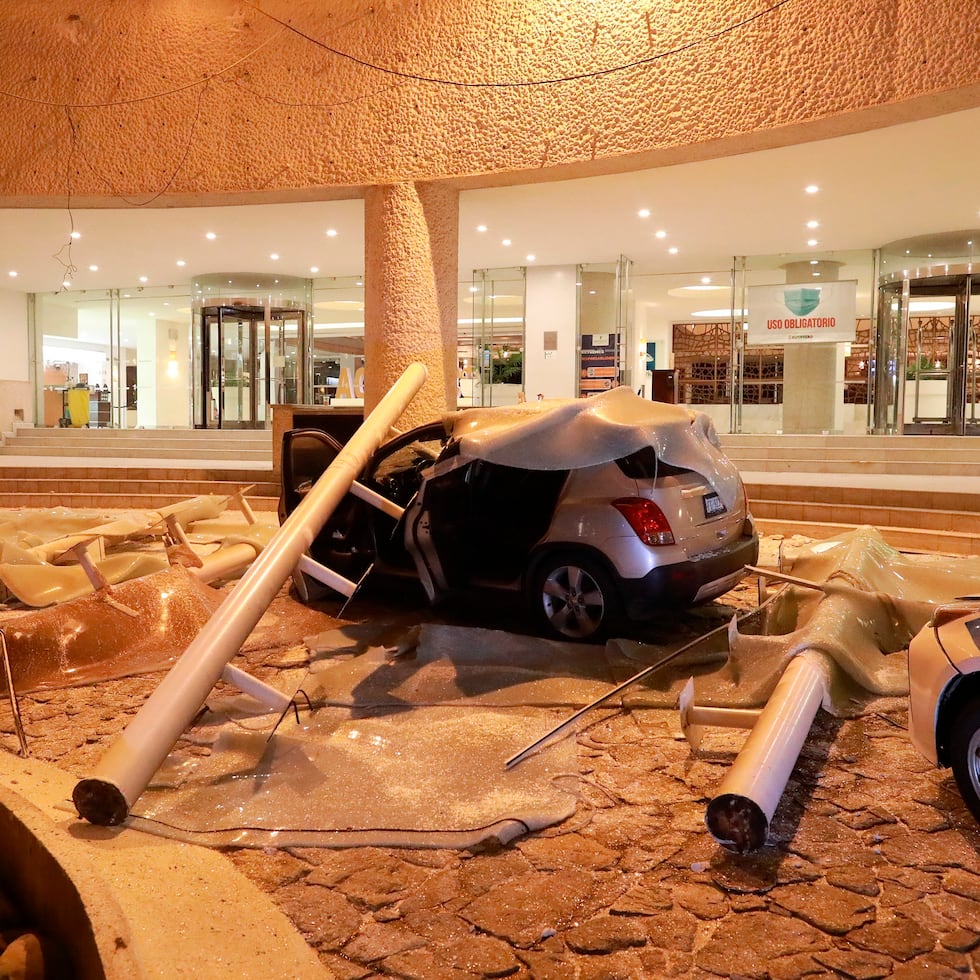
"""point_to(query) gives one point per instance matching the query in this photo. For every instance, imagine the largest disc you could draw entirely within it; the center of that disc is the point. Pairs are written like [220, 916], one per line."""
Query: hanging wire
[526, 83]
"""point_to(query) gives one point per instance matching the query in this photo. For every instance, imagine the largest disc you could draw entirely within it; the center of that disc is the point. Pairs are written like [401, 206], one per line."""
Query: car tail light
[646, 519]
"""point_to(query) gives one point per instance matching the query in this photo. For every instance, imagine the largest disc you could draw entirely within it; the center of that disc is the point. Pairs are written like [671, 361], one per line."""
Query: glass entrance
[251, 357]
[252, 348]
[941, 357]
[926, 356]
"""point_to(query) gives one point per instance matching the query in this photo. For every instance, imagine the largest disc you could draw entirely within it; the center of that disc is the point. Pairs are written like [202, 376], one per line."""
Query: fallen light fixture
[125, 770]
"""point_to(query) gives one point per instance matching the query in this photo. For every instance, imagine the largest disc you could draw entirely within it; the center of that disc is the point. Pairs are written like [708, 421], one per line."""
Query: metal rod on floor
[130, 762]
[12, 694]
[662, 662]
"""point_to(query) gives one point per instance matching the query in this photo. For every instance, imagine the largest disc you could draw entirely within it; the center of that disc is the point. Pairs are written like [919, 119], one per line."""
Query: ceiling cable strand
[528, 83]
[143, 98]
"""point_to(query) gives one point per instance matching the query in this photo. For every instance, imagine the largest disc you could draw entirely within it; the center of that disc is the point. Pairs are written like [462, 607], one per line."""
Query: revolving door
[927, 375]
[250, 355]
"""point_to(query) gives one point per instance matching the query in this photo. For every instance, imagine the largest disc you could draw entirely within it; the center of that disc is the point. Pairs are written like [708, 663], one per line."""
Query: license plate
[712, 505]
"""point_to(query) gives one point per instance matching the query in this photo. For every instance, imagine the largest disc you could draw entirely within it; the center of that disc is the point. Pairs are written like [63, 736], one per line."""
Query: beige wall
[200, 100]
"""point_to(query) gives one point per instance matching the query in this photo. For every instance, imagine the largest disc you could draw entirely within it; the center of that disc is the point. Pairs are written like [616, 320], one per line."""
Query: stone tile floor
[872, 869]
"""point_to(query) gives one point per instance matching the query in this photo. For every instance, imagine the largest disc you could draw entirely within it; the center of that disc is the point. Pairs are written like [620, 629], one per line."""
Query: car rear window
[644, 465]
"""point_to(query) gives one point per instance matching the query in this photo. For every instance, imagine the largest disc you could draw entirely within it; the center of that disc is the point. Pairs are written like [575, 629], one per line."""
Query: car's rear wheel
[965, 754]
[573, 598]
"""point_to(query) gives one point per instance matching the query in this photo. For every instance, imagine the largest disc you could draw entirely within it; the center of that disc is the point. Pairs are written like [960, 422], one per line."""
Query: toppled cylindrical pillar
[127, 767]
[739, 815]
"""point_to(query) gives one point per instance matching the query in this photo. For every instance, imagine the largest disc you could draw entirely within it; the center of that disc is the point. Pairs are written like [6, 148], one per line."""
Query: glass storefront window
[338, 341]
[128, 347]
[490, 347]
[604, 330]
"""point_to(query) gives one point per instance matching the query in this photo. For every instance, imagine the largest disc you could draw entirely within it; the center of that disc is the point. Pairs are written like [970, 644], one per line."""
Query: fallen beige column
[127, 767]
[739, 814]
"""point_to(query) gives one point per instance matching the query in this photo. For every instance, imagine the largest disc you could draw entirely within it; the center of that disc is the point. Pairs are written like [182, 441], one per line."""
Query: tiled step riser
[835, 456]
[129, 474]
[918, 443]
[924, 520]
[256, 436]
[114, 451]
[892, 467]
[858, 497]
[159, 487]
[14, 501]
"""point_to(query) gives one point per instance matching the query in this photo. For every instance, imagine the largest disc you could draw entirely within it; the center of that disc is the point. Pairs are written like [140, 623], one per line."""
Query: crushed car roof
[567, 434]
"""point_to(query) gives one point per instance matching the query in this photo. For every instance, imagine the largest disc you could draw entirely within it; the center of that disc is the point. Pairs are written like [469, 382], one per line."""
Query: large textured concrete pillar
[411, 236]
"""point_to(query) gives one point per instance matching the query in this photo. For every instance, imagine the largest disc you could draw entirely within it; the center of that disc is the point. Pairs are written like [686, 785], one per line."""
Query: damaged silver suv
[600, 511]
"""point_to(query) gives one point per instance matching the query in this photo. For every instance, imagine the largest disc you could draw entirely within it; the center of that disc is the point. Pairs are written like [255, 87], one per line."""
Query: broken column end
[100, 802]
[737, 823]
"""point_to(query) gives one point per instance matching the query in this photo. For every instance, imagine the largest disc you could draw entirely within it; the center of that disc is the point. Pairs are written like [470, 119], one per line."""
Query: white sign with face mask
[802, 312]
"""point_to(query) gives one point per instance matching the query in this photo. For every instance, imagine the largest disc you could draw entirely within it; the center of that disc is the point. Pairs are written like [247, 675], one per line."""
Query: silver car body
[941, 655]
[692, 481]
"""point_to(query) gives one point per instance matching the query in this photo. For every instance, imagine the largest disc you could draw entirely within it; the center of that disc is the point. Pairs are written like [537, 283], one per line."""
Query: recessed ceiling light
[314, 269]
[481, 227]
[274, 256]
[67, 284]
[673, 250]
[358, 283]
[181, 263]
[12, 273]
[506, 241]
[76, 234]
[811, 188]
[143, 279]
[705, 280]
[93, 268]
[812, 241]
[813, 224]
[151, 314]
[210, 236]
[816, 274]
[331, 233]
[719, 313]
[531, 257]
[643, 213]
[814, 261]
[661, 234]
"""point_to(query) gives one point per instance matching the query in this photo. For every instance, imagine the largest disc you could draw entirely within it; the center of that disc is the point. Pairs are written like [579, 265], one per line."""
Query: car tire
[573, 598]
[964, 748]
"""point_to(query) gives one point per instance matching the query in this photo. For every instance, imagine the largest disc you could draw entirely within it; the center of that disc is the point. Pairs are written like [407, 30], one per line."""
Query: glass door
[941, 358]
[492, 356]
[284, 358]
[230, 361]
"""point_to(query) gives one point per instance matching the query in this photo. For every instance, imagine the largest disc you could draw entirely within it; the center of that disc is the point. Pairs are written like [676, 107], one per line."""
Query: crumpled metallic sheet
[877, 600]
[418, 777]
[138, 626]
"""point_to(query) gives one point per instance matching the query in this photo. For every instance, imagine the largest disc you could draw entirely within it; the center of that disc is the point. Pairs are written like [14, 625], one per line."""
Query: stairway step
[960, 522]
[135, 501]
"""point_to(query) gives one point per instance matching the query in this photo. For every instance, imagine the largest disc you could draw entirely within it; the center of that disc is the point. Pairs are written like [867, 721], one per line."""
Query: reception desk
[341, 423]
